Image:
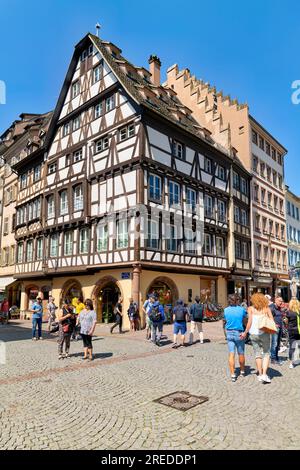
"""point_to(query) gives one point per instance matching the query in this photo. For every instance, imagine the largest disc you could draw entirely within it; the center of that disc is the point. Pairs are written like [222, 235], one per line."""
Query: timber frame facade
[119, 148]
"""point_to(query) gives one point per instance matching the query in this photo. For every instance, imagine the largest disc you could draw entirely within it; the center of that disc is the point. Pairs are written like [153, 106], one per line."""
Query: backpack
[155, 315]
[180, 313]
[198, 312]
[132, 310]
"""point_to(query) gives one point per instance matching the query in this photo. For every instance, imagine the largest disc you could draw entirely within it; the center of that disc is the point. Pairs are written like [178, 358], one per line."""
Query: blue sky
[248, 49]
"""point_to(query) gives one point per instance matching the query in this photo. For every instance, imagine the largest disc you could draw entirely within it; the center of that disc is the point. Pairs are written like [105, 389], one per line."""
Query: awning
[288, 281]
[5, 281]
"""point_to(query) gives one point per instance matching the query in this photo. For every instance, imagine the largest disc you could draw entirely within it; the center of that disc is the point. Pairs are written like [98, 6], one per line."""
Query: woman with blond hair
[293, 321]
[260, 340]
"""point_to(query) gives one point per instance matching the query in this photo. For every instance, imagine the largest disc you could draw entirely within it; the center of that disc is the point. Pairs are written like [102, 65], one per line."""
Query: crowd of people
[261, 324]
[263, 321]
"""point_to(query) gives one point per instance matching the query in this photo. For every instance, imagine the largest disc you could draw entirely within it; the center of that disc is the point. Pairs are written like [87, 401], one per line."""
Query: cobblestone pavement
[109, 403]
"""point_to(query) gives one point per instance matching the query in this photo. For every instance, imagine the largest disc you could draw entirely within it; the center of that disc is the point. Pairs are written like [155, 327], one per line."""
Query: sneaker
[201, 342]
[40, 338]
[60, 356]
[243, 373]
[34, 339]
[233, 378]
[67, 356]
[266, 379]
[276, 362]
[174, 345]
[291, 366]
[260, 378]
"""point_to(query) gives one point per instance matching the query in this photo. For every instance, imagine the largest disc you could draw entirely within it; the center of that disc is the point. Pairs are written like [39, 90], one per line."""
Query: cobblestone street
[109, 403]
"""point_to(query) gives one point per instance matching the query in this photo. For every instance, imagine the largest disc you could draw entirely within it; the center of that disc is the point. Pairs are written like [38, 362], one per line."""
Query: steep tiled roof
[159, 99]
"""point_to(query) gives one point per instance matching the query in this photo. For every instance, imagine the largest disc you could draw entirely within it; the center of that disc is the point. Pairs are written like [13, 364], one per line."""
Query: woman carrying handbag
[260, 326]
[66, 325]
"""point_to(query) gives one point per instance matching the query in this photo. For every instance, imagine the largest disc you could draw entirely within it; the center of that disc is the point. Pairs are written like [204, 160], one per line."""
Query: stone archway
[165, 288]
[71, 288]
[105, 295]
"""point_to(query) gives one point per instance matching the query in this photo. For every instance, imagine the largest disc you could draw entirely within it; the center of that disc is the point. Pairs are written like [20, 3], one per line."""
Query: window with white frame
[78, 198]
[64, 202]
[37, 173]
[68, 243]
[221, 211]
[98, 110]
[52, 168]
[23, 180]
[208, 206]
[12, 255]
[97, 73]
[53, 245]
[153, 234]
[84, 240]
[77, 156]
[29, 250]
[102, 144]
[220, 246]
[39, 248]
[50, 206]
[208, 165]
[126, 132]
[189, 241]
[20, 252]
[155, 187]
[172, 238]
[191, 199]
[178, 150]
[208, 244]
[110, 103]
[174, 194]
[76, 123]
[75, 89]
[102, 237]
[66, 129]
[122, 234]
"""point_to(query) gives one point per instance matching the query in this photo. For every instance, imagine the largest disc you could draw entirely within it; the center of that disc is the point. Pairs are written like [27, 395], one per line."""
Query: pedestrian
[156, 315]
[51, 309]
[180, 318]
[234, 318]
[196, 315]
[4, 311]
[244, 304]
[276, 309]
[132, 314]
[146, 308]
[118, 316]
[88, 320]
[293, 325]
[37, 318]
[261, 340]
[66, 322]
[78, 307]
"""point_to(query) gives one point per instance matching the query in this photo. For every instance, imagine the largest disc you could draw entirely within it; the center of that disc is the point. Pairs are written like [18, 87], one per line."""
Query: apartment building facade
[232, 125]
[293, 234]
[133, 196]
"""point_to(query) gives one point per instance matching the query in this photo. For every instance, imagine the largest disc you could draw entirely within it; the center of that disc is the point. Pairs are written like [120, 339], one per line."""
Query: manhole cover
[182, 401]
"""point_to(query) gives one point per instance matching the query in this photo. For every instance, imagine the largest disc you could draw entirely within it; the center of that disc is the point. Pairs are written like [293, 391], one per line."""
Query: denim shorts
[180, 326]
[235, 342]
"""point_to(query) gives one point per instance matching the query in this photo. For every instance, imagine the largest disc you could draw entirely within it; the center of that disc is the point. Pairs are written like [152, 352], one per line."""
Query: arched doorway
[105, 296]
[165, 289]
[71, 290]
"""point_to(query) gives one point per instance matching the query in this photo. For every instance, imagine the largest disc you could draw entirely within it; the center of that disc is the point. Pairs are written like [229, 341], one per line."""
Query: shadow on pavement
[96, 355]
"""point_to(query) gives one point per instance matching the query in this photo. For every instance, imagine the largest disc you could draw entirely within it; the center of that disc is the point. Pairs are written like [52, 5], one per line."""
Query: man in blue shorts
[235, 316]
[180, 317]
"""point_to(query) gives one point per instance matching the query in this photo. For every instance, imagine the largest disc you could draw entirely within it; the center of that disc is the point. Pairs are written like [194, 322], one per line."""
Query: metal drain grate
[182, 401]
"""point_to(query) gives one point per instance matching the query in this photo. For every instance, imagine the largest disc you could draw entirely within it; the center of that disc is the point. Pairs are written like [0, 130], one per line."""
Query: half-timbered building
[134, 196]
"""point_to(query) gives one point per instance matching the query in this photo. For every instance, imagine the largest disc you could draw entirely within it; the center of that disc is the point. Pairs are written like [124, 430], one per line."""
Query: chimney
[154, 69]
